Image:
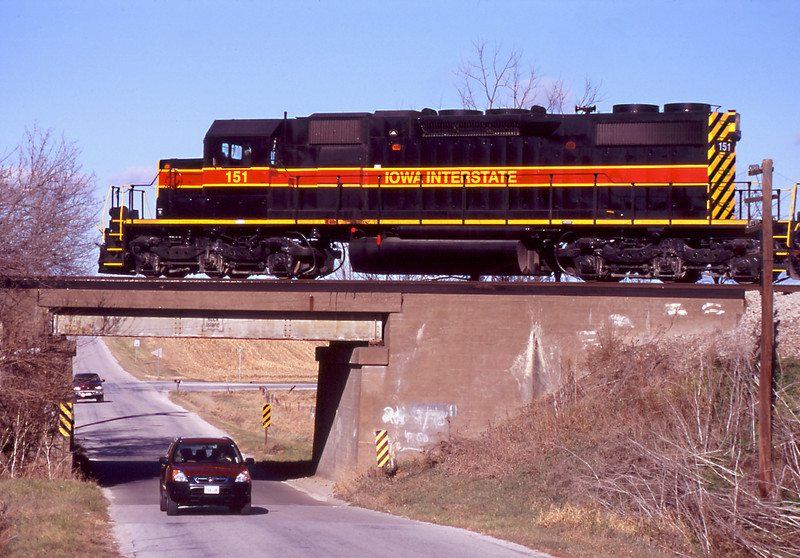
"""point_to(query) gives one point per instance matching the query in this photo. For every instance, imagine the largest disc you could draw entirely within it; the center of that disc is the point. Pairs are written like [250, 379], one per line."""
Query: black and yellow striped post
[266, 420]
[66, 422]
[382, 447]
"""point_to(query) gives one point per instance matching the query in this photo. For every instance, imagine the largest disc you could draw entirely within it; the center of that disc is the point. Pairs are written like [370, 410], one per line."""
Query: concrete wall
[455, 364]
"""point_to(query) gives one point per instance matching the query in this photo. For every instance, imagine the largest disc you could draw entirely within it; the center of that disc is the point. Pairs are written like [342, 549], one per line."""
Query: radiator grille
[650, 133]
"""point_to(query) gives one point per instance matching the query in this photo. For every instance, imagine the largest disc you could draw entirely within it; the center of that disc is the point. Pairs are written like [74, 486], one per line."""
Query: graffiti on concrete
[417, 425]
[713, 308]
[676, 309]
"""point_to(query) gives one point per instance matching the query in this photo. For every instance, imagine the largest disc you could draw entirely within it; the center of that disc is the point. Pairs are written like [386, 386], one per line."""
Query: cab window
[234, 154]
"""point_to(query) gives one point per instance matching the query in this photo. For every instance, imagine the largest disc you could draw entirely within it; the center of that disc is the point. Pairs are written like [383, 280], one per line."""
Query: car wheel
[242, 510]
[163, 499]
[172, 506]
[100, 399]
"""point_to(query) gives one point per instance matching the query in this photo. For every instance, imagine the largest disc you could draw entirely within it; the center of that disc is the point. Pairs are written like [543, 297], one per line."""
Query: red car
[205, 472]
[87, 386]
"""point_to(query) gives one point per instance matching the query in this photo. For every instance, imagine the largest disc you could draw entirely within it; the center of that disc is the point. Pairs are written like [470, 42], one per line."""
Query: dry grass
[53, 518]
[653, 453]
[217, 360]
[238, 413]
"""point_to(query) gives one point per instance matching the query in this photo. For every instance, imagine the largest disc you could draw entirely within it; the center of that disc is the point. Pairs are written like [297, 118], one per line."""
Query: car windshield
[87, 378]
[206, 453]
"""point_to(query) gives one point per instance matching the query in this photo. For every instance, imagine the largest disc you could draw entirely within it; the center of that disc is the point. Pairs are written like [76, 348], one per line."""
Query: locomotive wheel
[149, 265]
[568, 271]
[213, 265]
[564, 265]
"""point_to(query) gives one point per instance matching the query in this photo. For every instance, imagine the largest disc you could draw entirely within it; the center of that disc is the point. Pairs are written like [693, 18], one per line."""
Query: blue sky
[133, 82]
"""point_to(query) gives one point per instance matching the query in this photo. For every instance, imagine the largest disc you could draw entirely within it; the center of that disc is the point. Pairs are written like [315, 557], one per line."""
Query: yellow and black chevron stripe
[66, 420]
[382, 447]
[723, 133]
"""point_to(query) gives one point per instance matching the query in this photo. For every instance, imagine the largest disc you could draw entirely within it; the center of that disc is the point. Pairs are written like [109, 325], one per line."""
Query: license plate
[211, 490]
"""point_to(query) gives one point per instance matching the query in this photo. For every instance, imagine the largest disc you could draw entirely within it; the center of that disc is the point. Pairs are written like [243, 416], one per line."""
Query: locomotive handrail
[117, 193]
[104, 211]
[786, 238]
[749, 195]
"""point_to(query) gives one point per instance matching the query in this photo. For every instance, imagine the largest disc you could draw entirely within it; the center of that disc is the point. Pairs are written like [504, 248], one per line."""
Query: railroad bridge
[420, 360]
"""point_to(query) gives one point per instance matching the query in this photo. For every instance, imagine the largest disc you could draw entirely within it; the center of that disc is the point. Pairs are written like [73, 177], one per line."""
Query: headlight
[179, 476]
[244, 476]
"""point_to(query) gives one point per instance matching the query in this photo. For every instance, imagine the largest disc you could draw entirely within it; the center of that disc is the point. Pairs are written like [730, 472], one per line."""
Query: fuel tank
[434, 257]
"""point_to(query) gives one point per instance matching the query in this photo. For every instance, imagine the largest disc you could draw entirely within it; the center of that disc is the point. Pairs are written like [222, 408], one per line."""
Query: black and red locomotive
[639, 191]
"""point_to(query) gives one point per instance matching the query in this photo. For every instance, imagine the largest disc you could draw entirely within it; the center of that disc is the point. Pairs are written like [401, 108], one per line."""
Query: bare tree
[591, 94]
[496, 79]
[34, 382]
[47, 209]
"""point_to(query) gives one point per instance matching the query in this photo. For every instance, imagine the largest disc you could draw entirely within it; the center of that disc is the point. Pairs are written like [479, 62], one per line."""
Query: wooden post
[766, 482]
[266, 416]
[267, 422]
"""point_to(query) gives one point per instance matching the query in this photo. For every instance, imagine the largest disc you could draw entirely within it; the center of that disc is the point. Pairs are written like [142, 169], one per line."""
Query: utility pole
[765, 469]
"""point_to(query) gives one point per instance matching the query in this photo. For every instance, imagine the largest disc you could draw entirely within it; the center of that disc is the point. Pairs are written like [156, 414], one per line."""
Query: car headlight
[244, 476]
[179, 476]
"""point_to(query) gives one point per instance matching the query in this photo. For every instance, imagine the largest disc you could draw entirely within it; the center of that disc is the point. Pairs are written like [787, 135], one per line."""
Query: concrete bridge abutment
[455, 364]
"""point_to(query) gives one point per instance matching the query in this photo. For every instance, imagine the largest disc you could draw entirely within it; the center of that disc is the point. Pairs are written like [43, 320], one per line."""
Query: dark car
[204, 472]
[87, 386]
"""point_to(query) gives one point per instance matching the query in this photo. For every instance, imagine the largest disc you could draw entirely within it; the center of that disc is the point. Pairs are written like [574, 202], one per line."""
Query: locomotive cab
[241, 143]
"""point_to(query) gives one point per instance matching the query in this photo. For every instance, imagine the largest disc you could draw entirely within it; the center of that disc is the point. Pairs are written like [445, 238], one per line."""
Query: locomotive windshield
[234, 155]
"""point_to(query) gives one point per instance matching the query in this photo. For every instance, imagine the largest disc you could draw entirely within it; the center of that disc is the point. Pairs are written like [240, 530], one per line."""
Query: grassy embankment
[653, 453]
[40, 517]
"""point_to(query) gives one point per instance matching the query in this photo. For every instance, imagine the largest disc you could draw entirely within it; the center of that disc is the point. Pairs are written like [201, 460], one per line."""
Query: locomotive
[639, 191]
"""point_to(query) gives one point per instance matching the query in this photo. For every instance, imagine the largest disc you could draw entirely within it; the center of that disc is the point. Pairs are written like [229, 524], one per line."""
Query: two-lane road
[126, 434]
